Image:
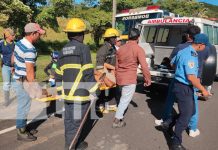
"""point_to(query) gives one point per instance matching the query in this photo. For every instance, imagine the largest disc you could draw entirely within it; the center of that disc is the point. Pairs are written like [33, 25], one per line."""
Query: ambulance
[160, 36]
[130, 18]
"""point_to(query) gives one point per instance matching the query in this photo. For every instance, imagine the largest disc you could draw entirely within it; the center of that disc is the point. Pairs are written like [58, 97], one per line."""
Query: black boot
[23, 135]
[6, 98]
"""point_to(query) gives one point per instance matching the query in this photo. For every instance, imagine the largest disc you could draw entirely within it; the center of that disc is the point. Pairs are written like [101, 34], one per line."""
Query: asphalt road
[139, 134]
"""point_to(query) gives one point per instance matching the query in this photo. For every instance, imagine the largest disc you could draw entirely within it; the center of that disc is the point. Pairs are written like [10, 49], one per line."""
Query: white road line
[10, 129]
[14, 127]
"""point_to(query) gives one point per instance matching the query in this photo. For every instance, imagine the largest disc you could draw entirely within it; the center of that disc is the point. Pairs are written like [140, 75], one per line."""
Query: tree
[184, 7]
[124, 4]
[97, 20]
[15, 14]
[47, 15]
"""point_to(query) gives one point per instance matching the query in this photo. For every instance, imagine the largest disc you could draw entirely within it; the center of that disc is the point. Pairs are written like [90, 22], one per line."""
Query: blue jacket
[186, 62]
[202, 55]
[6, 50]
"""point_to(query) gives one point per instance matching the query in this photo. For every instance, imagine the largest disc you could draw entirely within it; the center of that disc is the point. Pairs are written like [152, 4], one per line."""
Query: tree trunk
[114, 13]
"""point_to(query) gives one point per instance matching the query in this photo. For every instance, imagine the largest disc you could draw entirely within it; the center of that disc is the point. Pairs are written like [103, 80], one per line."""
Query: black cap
[133, 34]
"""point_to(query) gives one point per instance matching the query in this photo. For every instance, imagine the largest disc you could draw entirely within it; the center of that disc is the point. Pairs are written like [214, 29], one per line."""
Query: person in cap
[6, 49]
[24, 63]
[186, 79]
[75, 73]
[105, 63]
[202, 56]
[128, 57]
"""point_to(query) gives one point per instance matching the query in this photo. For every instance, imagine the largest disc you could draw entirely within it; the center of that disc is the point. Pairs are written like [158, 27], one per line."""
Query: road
[139, 134]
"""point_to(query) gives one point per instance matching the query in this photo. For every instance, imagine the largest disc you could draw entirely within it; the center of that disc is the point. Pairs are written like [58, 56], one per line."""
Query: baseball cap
[8, 32]
[201, 39]
[33, 27]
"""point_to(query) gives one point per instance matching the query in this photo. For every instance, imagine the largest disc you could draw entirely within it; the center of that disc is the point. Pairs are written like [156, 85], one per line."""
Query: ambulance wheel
[209, 67]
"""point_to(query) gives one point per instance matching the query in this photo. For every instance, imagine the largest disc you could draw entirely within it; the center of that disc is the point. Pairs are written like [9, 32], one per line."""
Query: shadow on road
[156, 99]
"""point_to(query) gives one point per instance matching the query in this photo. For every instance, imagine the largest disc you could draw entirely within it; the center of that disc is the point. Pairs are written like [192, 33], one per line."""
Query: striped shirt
[24, 52]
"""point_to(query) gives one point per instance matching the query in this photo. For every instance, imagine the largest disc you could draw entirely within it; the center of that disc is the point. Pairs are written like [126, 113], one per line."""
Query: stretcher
[47, 99]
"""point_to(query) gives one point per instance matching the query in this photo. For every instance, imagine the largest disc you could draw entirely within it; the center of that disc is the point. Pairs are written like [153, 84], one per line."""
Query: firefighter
[106, 57]
[75, 74]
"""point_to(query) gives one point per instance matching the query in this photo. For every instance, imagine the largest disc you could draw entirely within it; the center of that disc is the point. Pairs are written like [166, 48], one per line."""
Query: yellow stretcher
[47, 99]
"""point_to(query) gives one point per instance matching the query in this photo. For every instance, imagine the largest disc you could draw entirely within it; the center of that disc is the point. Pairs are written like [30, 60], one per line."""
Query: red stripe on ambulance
[169, 20]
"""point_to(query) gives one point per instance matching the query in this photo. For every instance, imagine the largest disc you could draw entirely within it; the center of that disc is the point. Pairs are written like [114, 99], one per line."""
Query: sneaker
[113, 108]
[177, 147]
[119, 124]
[158, 122]
[100, 109]
[193, 133]
[105, 111]
[23, 135]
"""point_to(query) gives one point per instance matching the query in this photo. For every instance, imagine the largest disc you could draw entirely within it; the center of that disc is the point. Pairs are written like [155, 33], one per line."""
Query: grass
[53, 40]
[42, 62]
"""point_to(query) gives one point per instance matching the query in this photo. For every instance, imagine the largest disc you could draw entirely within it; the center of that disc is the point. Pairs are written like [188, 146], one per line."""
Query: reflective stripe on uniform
[59, 72]
[70, 66]
[79, 77]
[77, 81]
[59, 88]
[76, 98]
[94, 88]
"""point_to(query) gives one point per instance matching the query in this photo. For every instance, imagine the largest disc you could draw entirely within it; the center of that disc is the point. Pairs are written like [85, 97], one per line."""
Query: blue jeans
[23, 104]
[193, 123]
[168, 108]
[127, 92]
[6, 76]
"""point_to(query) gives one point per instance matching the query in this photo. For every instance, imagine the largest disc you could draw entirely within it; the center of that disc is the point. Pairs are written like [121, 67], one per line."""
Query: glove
[52, 82]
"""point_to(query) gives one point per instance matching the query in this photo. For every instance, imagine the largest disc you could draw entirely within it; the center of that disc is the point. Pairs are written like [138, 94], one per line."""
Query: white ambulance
[130, 18]
[160, 36]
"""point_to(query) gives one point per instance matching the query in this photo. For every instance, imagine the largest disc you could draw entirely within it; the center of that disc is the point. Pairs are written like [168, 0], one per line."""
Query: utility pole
[114, 12]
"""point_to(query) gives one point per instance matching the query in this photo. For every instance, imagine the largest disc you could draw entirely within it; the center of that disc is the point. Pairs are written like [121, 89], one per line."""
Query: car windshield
[123, 24]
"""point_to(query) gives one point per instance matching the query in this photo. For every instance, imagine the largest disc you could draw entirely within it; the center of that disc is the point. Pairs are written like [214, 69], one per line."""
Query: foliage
[62, 8]
[97, 24]
[212, 10]
[124, 4]
[184, 7]
[47, 18]
[16, 14]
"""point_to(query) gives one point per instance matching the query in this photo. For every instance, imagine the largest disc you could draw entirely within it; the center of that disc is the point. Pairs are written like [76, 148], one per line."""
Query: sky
[213, 2]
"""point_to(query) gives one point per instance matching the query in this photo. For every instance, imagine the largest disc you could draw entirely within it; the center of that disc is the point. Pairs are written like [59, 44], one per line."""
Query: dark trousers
[186, 105]
[112, 97]
[74, 113]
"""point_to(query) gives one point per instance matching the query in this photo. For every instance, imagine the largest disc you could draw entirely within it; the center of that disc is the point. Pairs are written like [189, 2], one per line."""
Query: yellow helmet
[75, 25]
[111, 32]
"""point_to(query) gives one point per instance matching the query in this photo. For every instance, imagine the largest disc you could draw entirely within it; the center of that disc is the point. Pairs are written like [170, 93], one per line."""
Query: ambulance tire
[209, 67]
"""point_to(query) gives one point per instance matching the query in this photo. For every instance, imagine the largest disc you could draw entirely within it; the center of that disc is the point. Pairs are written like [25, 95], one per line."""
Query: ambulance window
[208, 29]
[162, 35]
[151, 35]
[216, 36]
[148, 34]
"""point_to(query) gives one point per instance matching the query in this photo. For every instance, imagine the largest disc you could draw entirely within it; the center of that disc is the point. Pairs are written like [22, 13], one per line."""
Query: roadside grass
[54, 40]
[42, 62]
